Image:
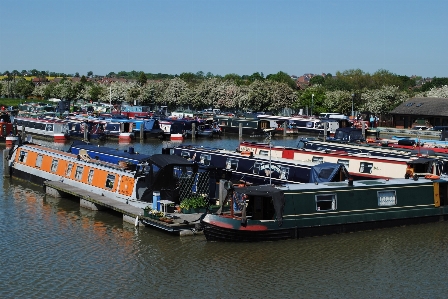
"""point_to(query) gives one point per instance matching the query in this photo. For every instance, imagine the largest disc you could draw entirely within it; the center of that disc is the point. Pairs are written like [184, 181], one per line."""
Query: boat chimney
[350, 182]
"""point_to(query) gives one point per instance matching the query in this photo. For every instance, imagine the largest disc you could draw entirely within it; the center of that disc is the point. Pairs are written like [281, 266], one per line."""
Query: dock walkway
[183, 224]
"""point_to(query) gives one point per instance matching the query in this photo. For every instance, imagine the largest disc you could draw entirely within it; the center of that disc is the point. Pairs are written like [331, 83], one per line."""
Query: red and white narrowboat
[54, 128]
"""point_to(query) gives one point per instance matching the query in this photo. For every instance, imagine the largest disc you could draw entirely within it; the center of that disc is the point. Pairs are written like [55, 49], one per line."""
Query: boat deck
[183, 224]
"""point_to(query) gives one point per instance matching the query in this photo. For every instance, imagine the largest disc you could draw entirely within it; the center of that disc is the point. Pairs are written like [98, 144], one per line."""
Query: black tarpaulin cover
[162, 160]
[278, 197]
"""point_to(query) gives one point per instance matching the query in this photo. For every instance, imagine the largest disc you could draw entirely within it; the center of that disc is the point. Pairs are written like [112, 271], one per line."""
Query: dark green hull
[330, 208]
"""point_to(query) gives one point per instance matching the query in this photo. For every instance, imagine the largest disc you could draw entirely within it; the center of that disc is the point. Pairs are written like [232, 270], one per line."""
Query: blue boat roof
[109, 154]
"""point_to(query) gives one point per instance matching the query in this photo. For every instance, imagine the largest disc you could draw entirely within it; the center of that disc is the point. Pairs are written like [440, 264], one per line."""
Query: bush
[194, 202]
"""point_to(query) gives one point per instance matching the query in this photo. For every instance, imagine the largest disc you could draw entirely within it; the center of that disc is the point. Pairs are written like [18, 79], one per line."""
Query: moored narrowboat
[360, 166]
[132, 183]
[258, 169]
[249, 126]
[265, 213]
[56, 129]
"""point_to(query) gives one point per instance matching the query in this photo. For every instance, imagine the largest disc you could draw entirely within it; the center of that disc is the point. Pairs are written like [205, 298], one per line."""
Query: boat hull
[224, 234]
[264, 213]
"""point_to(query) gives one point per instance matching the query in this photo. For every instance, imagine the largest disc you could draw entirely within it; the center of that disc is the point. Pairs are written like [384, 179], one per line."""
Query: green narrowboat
[263, 213]
[249, 126]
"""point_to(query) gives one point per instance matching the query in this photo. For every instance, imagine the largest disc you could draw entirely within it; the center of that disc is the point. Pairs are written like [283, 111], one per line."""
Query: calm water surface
[53, 248]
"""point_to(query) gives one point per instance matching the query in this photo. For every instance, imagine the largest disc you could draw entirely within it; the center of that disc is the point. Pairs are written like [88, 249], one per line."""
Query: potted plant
[194, 204]
[147, 211]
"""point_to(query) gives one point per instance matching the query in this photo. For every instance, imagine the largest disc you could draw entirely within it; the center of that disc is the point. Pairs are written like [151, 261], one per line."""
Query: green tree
[142, 79]
[189, 78]
[317, 80]
[283, 78]
[95, 92]
[234, 78]
[435, 82]
[89, 74]
[256, 76]
[24, 88]
[312, 100]
[34, 72]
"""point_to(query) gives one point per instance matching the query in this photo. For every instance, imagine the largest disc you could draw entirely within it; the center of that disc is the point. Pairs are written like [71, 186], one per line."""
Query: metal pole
[142, 130]
[270, 158]
[240, 131]
[353, 96]
[312, 103]
[86, 136]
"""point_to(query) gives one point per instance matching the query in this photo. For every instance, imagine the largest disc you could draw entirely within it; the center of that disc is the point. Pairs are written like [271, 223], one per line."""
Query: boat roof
[163, 160]
[378, 184]
[127, 154]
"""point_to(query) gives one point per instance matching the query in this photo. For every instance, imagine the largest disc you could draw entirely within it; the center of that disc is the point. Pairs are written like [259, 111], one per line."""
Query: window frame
[54, 165]
[90, 175]
[78, 172]
[323, 202]
[39, 160]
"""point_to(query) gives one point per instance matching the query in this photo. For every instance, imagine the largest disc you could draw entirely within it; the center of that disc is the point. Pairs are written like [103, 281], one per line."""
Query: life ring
[432, 177]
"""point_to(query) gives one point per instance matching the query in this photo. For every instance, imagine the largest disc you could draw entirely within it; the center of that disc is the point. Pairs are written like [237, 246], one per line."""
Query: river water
[54, 248]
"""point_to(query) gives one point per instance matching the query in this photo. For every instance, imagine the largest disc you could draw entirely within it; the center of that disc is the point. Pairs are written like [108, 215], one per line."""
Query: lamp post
[353, 96]
[312, 103]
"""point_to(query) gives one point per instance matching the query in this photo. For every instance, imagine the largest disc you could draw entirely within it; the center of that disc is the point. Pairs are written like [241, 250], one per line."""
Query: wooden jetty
[183, 224]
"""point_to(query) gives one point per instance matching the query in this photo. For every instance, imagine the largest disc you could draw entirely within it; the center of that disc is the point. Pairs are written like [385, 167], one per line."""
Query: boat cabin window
[90, 177]
[387, 198]
[49, 128]
[284, 173]
[344, 162]
[54, 165]
[205, 159]
[326, 202]
[263, 153]
[78, 173]
[318, 159]
[264, 124]
[232, 163]
[257, 167]
[365, 167]
[259, 208]
[110, 181]
[39, 160]
[182, 171]
[68, 172]
[23, 155]
[185, 154]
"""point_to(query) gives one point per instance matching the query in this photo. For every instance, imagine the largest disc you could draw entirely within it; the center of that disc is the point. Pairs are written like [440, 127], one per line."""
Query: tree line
[343, 92]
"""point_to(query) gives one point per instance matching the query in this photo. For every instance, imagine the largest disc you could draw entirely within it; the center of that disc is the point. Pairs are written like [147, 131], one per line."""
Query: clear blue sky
[226, 36]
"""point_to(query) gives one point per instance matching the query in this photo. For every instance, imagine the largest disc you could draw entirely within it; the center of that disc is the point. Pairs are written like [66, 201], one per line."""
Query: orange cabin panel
[126, 185]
